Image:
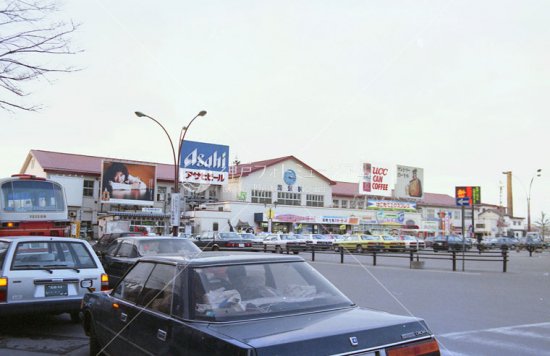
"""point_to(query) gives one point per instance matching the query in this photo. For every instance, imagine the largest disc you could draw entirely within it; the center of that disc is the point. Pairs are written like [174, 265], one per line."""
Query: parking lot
[481, 311]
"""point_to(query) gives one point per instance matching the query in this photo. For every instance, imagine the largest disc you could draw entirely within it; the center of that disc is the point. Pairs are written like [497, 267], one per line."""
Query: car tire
[75, 317]
[278, 249]
[215, 248]
[359, 249]
[94, 348]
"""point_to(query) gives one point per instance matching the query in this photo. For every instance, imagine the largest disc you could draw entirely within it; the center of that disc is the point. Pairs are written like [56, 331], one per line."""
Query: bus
[31, 205]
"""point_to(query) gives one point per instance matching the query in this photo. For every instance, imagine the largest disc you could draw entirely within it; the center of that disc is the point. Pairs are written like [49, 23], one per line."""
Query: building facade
[282, 194]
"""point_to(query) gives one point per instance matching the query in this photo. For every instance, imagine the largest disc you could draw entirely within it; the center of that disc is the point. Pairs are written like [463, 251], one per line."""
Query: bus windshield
[32, 196]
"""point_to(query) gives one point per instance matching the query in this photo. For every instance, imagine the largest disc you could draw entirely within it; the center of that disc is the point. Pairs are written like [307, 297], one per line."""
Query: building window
[314, 200]
[361, 204]
[212, 193]
[335, 203]
[161, 193]
[353, 204]
[430, 213]
[287, 198]
[344, 204]
[88, 188]
[261, 196]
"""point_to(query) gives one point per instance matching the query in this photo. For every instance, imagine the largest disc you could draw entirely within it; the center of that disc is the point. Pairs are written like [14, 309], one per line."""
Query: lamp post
[270, 216]
[175, 206]
[537, 174]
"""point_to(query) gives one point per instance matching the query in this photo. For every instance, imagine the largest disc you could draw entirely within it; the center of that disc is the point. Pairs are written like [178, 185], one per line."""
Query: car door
[120, 319]
[153, 330]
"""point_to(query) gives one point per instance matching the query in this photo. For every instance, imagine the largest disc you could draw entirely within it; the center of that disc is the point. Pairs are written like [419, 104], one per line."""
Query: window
[88, 188]
[353, 204]
[161, 193]
[360, 204]
[288, 198]
[430, 213]
[157, 292]
[261, 196]
[127, 249]
[130, 287]
[314, 200]
[53, 255]
[344, 204]
[335, 203]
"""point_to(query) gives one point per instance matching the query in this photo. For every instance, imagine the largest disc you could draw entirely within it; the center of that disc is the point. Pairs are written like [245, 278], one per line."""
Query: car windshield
[230, 236]
[261, 290]
[167, 246]
[52, 255]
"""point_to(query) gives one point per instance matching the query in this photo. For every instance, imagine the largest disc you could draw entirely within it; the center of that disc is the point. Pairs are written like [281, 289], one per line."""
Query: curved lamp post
[175, 210]
[537, 174]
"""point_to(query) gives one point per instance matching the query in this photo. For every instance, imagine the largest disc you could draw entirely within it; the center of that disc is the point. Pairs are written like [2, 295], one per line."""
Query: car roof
[222, 258]
[39, 238]
[152, 238]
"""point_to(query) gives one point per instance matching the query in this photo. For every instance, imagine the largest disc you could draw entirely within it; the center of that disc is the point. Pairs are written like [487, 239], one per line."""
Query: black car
[122, 253]
[106, 240]
[245, 304]
[451, 243]
[223, 241]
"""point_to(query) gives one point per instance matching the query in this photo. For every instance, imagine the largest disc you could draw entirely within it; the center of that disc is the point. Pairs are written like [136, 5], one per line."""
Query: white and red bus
[32, 205]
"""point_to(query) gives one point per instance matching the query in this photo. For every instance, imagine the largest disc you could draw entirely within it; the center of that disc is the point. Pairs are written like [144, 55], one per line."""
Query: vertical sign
[467, 196]
[376, 179]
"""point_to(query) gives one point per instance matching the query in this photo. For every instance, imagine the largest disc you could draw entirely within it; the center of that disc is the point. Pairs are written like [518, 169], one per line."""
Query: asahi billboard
[204, 163]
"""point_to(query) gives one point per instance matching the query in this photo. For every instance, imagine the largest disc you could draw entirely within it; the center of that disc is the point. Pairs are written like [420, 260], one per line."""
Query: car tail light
[3, 289]
[248, 244]
[424, 348]
[104, 282]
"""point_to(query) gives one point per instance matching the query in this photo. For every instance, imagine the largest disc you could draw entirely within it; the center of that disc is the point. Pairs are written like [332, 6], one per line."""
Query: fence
[418, 256]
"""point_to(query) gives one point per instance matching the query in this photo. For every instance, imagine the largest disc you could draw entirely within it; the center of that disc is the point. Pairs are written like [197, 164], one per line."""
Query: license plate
[56, 290]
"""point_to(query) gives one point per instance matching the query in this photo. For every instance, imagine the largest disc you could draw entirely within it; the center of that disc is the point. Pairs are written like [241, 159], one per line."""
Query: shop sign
[293, 218]
[409, 183]
[241, 196]
[390, 218]
[390, 205]
[152, 210]
[347, 220]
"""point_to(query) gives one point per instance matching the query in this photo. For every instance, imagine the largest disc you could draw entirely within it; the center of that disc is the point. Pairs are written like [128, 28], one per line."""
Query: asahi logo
[196, 159]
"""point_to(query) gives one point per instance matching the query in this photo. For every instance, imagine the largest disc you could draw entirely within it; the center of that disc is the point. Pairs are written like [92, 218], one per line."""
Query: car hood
[330, 331]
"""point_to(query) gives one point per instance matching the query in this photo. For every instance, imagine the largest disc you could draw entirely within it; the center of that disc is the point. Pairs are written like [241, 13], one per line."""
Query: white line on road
[503, 330]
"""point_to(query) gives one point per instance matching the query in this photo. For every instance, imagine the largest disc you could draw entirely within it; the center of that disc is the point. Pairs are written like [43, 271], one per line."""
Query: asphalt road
[478, 311]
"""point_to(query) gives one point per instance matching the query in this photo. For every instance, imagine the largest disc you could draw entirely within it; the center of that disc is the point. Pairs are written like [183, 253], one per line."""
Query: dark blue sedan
[246, 304]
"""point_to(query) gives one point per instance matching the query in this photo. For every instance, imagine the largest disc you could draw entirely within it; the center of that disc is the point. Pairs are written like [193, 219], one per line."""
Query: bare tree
[28, 40]
[543, 224]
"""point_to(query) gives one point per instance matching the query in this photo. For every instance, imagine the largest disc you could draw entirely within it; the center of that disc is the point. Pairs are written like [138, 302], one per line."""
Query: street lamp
[537, 174]
[175, 210]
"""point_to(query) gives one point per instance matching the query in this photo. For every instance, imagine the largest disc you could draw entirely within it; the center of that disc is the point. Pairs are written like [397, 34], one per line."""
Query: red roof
[56, 162]
[347, 189]
[245, 169]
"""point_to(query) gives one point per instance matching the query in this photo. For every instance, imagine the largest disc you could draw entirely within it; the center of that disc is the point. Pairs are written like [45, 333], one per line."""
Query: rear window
[52, 255]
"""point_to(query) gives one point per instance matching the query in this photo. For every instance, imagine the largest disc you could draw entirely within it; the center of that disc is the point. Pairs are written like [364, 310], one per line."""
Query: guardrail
[453, 256]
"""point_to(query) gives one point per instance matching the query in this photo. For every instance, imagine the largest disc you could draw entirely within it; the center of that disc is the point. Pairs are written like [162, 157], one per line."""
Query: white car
[284, 242]
[41, 274]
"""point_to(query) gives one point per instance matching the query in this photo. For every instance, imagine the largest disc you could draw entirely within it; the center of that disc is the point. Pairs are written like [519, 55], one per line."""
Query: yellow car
[393, 243]
[360, 243]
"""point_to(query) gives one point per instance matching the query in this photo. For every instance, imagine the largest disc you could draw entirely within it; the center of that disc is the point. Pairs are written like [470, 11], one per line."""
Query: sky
[458, 88]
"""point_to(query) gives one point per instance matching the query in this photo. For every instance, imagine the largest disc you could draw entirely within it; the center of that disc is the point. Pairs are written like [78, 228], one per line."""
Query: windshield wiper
[64, 266]
[33, 267]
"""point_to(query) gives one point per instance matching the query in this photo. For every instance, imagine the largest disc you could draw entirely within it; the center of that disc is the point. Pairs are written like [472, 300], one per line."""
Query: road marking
[390, 267]
[503, 330]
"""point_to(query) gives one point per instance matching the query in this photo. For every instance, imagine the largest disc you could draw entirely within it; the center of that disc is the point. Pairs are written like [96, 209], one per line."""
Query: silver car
[47, 275]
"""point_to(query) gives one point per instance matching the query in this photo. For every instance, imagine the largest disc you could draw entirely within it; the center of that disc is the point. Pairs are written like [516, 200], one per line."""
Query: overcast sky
[459, 88]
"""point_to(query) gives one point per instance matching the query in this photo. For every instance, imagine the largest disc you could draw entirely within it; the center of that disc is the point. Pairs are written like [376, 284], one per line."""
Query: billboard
[409, 183]
[129, 183]
[467, 195]
[390, 205]
[204, 163]
[376, 180]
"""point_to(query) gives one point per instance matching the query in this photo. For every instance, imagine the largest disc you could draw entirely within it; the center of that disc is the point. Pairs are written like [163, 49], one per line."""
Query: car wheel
[75, 316]
[278, 249]
[215, 248]
[359, 249]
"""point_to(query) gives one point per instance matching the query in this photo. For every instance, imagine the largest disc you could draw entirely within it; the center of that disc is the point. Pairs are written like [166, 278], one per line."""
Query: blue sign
[463, 201]
[204, 163]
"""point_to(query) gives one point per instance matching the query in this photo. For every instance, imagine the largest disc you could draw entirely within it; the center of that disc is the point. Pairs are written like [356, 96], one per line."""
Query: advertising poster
[376, 180]
[204, 163]
[409, 183]
[128, 183]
